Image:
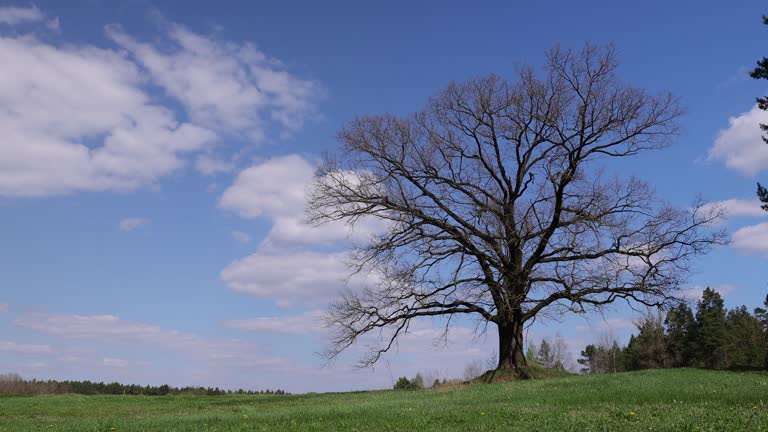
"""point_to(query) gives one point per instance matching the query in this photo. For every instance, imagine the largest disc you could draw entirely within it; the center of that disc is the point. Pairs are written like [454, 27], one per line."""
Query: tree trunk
[511, 356]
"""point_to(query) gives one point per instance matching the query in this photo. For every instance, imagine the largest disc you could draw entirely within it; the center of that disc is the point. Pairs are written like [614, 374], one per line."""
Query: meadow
[652, 400]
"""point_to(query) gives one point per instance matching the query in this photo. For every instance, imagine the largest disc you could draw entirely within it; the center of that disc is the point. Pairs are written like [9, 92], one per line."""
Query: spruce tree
[631, 356]
[746, 340]
[680, 334]
[711, 331]
[648, 350]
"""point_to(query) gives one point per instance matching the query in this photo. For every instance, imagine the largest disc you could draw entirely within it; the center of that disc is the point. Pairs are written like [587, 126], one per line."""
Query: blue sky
[154, 156]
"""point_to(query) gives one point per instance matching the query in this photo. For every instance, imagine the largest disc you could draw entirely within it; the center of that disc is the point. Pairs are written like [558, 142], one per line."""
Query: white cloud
[112, 329]
[293, 230]
[115, 362]
[306, 323]
[13, 15]
[130, 224]
[741, 146]
[241, 236]
[209, 166]
[3, 307]
[82, 118]
[224, 85]
[695, 292]
[76, 119]
[289, 279]
[282, 269]
[25, 349]
[752, 239]
[274, 188]
[737, 207]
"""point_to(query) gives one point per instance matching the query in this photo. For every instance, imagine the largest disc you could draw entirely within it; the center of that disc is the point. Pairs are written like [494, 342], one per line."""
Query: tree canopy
[498, 206]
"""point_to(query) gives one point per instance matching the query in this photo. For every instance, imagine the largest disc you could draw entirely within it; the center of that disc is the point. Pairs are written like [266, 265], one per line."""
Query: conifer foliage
[14, 384]
[761, 72]
[710, 337]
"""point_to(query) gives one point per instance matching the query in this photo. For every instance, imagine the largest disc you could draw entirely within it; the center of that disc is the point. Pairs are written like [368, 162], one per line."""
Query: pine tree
[711, 331]
[680, 334]
[588, 360]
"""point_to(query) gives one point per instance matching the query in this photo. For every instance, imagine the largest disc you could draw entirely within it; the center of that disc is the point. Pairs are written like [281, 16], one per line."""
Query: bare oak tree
[498, 207]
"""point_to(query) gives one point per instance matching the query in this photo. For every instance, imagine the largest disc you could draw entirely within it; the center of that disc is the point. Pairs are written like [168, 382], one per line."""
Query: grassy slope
[662, 400]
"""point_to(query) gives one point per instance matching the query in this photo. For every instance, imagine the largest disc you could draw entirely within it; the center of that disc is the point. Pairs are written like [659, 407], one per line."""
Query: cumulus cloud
[307, 323]
[82, 118]
[223, 85]
[737, 208]
[25, 349]
[285, 268]
[276, 189]
[740, 146]
[289, 279]
[752, 239]
[695, 292]
[13, 15]
[77, 119]
[293, 230]
[130, 224]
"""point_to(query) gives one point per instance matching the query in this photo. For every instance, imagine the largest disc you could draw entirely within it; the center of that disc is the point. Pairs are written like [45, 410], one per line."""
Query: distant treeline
[710, 337]
[13, 384]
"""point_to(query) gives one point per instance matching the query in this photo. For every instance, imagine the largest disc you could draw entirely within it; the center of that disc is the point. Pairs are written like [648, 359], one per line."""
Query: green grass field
[660, 400]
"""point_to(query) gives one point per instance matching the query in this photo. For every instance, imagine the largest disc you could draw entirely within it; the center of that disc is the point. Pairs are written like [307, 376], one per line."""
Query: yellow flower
[631, 413]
